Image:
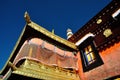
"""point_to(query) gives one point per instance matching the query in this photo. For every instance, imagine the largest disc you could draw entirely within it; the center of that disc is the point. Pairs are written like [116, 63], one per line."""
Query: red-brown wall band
[110, 68]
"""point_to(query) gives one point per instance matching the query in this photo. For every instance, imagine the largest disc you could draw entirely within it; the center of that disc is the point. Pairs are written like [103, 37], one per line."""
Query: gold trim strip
[40, 71]
[12, 53]
[52, 36]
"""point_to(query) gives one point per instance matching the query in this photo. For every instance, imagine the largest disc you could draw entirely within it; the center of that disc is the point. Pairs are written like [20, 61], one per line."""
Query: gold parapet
[40, 71]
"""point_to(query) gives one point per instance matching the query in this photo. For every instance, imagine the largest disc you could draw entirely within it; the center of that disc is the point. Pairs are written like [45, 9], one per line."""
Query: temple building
[91, 53]
[41, 55]
[98, 42]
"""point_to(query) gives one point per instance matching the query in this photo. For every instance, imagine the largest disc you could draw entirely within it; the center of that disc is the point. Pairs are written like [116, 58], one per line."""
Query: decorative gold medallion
[107, 32]
[99, 21]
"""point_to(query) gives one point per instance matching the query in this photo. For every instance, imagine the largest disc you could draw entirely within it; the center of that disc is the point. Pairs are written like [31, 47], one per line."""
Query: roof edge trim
[52, 36]
[84, 38]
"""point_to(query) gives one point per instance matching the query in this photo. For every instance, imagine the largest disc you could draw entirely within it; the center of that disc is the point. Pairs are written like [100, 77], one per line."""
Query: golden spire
[53, 31]
[27, 17]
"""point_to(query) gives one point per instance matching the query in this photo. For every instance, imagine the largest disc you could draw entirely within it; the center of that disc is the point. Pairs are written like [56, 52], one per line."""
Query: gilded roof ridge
[39, 29]
[48, 33]
[51, 35]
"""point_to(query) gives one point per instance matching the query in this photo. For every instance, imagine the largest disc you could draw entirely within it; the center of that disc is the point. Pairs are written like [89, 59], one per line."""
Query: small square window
[89, 55]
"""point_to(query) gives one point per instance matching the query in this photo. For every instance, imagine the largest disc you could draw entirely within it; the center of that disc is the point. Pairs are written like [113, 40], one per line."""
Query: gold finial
[53, 31]
[27, 17]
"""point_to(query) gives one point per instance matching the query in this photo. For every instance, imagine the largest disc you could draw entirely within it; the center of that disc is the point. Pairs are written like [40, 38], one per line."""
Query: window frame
[98, 61]
[89, 55]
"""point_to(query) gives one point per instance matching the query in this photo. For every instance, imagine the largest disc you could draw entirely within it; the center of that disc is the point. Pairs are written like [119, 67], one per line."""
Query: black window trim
[98, 61]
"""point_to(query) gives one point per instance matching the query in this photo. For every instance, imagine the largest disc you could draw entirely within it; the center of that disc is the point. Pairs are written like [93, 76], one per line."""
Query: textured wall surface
[111, 66]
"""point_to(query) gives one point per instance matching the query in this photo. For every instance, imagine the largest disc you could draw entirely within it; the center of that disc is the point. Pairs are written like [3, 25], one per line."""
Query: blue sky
[50, 14]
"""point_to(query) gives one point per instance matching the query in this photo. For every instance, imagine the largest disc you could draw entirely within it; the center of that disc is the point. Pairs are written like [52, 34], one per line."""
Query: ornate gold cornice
[37, 70]
[52, 36]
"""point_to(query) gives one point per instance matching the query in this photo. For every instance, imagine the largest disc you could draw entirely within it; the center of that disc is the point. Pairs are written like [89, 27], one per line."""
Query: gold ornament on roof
[27, 17]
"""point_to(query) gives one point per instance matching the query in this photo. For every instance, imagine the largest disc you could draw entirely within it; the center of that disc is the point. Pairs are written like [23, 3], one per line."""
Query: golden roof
[48, 33]
[52, 36]
[24, 35]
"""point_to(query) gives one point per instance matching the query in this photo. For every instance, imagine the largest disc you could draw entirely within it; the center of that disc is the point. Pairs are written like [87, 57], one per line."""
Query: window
[89, 55]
